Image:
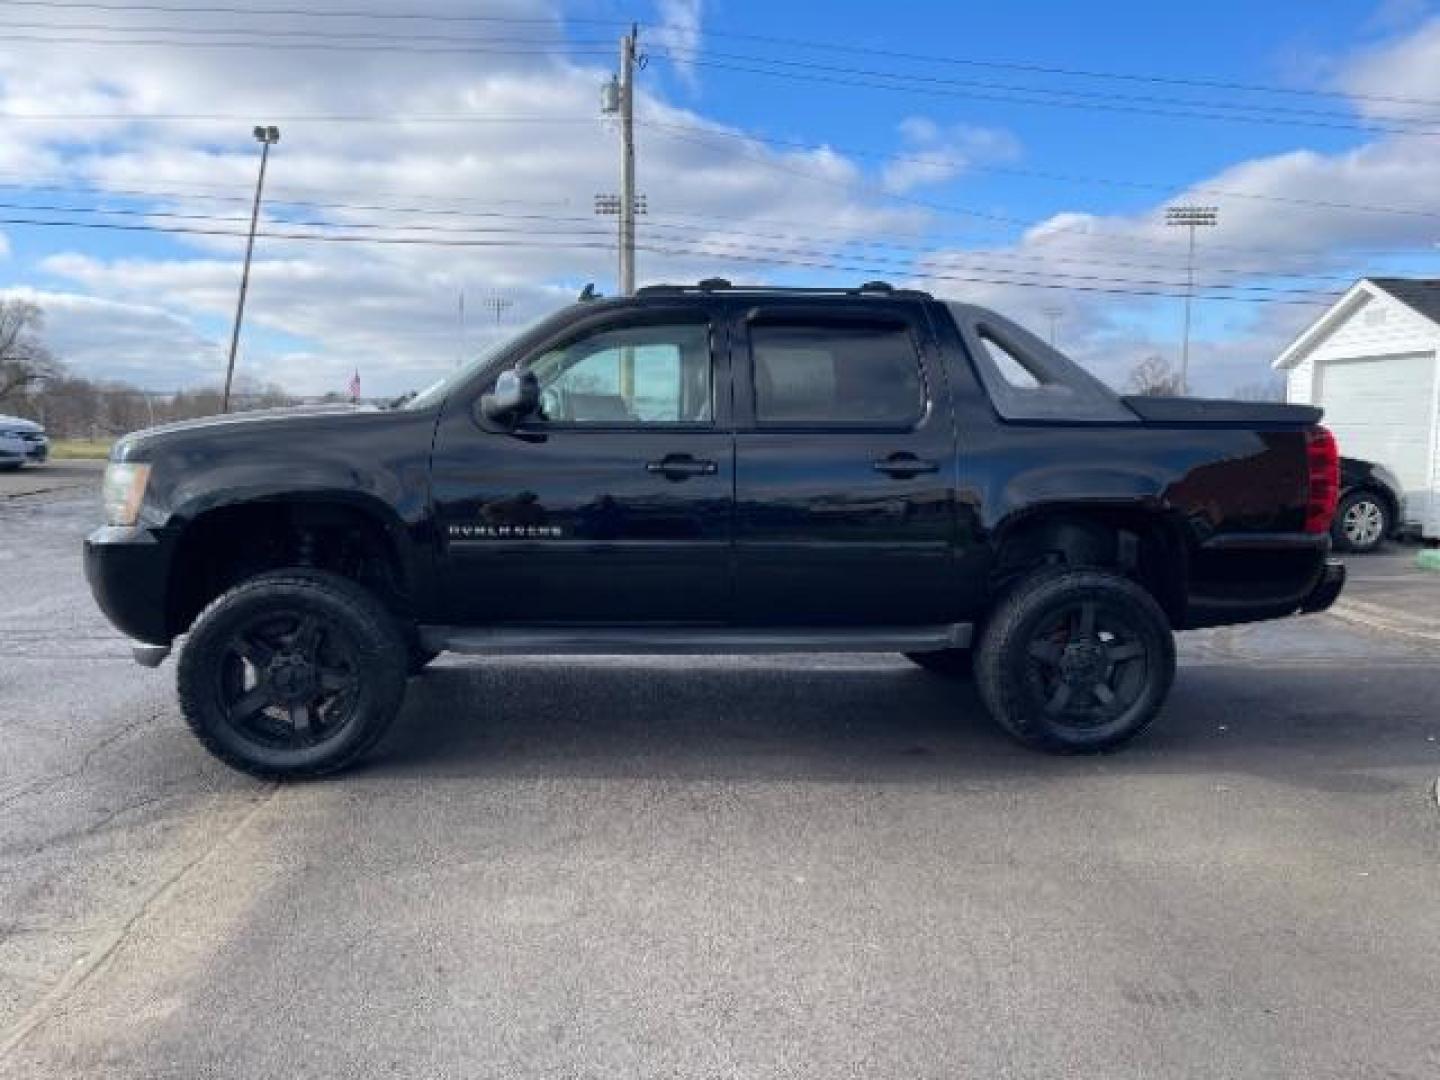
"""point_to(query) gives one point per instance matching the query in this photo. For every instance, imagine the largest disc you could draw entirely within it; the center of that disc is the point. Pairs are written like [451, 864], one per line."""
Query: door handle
[681, 467]
[903, 466]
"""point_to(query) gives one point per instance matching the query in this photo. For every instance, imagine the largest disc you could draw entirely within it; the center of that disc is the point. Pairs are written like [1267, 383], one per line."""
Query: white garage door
[1382, 409]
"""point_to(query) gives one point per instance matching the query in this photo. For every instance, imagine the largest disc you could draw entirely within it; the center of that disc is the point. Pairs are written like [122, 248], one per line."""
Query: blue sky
[929, 178]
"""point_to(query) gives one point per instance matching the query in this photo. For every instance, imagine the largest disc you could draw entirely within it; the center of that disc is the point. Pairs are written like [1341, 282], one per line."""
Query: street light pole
[1191, 217]
[266, 137]
[1053, 314]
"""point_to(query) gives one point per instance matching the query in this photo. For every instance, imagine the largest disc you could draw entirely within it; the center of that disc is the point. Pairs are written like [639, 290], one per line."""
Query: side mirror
[516, 396]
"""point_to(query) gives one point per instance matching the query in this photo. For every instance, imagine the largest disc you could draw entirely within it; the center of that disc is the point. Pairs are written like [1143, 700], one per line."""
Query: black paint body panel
[545, 525]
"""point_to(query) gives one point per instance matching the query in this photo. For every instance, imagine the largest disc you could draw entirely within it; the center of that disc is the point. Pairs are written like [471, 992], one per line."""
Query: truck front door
[612, 506]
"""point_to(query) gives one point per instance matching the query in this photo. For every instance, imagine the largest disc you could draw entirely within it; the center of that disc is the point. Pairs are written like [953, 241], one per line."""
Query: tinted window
[815, 374]
[631, 375]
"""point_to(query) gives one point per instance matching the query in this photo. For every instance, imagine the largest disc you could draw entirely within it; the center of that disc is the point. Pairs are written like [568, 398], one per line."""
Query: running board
[611, 640]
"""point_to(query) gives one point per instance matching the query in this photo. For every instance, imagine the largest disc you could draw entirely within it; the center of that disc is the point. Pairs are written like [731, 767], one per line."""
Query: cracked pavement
[731, 867]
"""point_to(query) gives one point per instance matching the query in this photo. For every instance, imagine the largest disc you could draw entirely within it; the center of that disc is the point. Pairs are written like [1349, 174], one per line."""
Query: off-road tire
[378, 645]
[1016, 683]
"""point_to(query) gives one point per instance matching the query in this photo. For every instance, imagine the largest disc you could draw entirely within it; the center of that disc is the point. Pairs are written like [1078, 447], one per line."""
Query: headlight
[123, 491]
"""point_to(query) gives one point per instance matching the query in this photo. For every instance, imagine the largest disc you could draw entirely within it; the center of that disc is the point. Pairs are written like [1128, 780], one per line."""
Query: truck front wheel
[293, 673]
[1076, 661]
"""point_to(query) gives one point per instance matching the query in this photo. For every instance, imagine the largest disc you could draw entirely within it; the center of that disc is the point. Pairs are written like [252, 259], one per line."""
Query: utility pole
[266, 137]
[618, 97]
[1191, 217]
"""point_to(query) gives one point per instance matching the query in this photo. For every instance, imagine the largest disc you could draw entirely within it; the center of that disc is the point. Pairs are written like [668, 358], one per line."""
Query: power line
[856, 78]
[812, 45]
[1086, 73]
[1182, 111]
[1080, 283]
[1066, 97]
[309, 13]
[584, 226]
[1160, 248]
[1151, 99]
[266, 33]
[320, 46]
[923, 159]
[300, 118]
[1130, 242]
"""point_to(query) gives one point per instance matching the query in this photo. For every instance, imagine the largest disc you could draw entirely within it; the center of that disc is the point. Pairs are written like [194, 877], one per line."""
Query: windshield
[437, 391]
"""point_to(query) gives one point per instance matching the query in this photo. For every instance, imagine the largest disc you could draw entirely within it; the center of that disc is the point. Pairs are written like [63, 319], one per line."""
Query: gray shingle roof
[1422, 294]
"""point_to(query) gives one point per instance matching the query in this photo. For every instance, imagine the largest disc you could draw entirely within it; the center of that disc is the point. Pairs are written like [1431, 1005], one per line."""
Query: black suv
[712, 468]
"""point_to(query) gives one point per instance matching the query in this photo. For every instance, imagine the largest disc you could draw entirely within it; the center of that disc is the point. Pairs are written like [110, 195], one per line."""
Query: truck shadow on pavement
[878, 719]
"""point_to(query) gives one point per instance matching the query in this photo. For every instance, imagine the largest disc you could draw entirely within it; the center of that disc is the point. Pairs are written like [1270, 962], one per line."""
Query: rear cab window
[810, 370]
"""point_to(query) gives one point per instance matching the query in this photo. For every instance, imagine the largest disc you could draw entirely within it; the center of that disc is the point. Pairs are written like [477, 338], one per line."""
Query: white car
[21, 442]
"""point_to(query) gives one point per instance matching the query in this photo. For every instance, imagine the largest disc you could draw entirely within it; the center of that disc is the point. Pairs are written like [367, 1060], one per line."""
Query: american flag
[355, 386]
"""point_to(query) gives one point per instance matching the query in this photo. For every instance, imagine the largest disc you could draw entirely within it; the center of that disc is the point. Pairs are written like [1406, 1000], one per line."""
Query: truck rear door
[844, 466]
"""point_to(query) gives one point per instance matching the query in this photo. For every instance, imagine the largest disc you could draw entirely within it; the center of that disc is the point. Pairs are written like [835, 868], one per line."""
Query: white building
[1372, 362]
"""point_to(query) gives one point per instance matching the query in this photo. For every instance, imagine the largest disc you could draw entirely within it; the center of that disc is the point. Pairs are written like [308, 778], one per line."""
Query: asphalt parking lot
[742, 867]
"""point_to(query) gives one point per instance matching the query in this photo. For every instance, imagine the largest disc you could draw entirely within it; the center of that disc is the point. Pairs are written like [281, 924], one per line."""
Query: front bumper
[1332, 580]
[127, 569]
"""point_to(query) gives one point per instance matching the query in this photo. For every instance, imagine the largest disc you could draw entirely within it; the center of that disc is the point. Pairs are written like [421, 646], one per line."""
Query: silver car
[21, 442]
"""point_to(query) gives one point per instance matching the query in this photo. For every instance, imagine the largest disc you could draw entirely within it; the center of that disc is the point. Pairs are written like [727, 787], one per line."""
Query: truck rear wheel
[293, 673]
[1076, 661]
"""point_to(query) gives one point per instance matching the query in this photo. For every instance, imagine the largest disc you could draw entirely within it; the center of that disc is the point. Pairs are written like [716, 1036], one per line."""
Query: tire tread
[388, 665]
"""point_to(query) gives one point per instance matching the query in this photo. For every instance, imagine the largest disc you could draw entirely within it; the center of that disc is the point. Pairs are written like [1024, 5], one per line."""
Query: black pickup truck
[711, 468]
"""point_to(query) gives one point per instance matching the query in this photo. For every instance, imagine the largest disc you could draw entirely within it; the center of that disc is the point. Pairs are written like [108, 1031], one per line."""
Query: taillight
[1323, 458]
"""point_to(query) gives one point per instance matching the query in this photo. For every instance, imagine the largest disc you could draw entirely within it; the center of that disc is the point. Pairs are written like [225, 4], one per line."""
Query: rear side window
[857, 373]
[1011, 368]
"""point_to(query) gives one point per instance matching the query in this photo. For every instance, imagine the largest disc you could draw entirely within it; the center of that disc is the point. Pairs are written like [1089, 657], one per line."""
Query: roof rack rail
[711, 285]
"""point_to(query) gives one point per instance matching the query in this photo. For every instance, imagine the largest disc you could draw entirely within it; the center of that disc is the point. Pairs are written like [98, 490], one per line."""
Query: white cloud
[1275, 230]
[680, 33]
[1406, 67]
[113, 339]
[933, 154]
[320, 310]
[518, 195]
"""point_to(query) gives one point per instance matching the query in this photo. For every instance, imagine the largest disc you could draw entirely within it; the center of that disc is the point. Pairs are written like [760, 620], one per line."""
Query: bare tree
[1155, 377]
[25, 362]
[1271, 389]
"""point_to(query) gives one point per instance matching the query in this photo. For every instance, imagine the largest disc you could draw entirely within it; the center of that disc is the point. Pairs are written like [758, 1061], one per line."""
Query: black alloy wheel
[1076, 661]
[289, 681]
[293, 673]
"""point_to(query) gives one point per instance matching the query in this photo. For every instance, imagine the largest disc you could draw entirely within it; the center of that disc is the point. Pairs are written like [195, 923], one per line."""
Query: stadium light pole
[266, 137]
[1191, 217]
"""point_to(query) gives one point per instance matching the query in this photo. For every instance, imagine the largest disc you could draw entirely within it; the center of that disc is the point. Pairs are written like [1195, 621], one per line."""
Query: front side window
[865, 374]
[629, 375]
